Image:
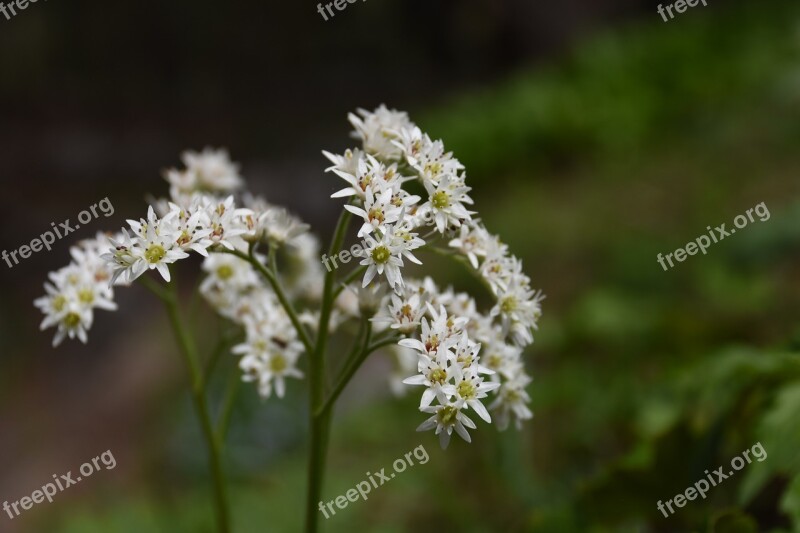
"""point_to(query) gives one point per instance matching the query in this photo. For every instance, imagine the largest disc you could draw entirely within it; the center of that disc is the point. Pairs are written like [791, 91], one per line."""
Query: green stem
[223, 423]
[351, 367]
[320, 423]
[320, 430]
[189, 353]
[381, 343]
[213, 359]
[153, 287]
[273, 261]
[357, 344]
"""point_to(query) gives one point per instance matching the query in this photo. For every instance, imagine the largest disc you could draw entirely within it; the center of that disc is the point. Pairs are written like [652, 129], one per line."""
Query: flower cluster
[200, 216]
[75, 290]
[209, 171]
[442, 328]
[262, 272]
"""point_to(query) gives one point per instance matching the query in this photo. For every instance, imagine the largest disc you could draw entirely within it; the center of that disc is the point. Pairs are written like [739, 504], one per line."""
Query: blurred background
[595, 136]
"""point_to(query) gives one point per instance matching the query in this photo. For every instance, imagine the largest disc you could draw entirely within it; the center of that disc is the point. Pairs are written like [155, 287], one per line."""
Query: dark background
[595, 136]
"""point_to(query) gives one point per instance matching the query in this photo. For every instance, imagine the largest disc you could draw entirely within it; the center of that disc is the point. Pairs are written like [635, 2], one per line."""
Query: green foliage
[624, 92]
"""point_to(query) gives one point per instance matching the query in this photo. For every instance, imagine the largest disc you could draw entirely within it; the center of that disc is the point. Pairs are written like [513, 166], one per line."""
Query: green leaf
[790, 503]
[734, 521]
[779, 434]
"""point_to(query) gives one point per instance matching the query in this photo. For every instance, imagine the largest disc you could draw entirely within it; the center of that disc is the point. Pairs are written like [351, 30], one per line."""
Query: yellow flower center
[437, 376]
[447, 415]
[376, 214]
[224, 272]
[86, 296]
[466, 389]
[508, 305]
[440, 199]
[433, 168]
[381, 254]
[72, 320]
[277, 364]
[155, 253]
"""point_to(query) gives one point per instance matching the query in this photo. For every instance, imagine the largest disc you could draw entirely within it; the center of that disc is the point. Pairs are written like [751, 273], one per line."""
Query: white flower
[378, 129]
[382, 256]
[347, 163]
[122, 257]
[471, 242]
[445, 419]
[513, 400]
[214, 170]
[519, 309]
[361, 175]
[469, 388]
[210, 171]
[403, 314]
[270, 369]
[433, 374]
[272, 348]
[182, 183]
[467, 355]
[446, 201]
[405, 239]
[496, 265]
[189, 229]
[156, 245]
[278, 226]
[75, 290]
[437, 336]
[228, 272]
[378, 210]
[411, 142]
[502, 358]
[427, 157]
[74, 320]
[450, 324]
[226, 221]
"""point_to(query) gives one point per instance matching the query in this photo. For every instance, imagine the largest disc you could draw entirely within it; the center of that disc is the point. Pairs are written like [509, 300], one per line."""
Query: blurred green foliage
[628, 147]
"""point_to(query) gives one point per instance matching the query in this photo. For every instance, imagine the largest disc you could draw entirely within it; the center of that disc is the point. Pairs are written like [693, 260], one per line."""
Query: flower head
[445, 419]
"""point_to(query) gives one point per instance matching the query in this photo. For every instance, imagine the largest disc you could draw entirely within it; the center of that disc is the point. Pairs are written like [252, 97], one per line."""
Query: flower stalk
[198, 385]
